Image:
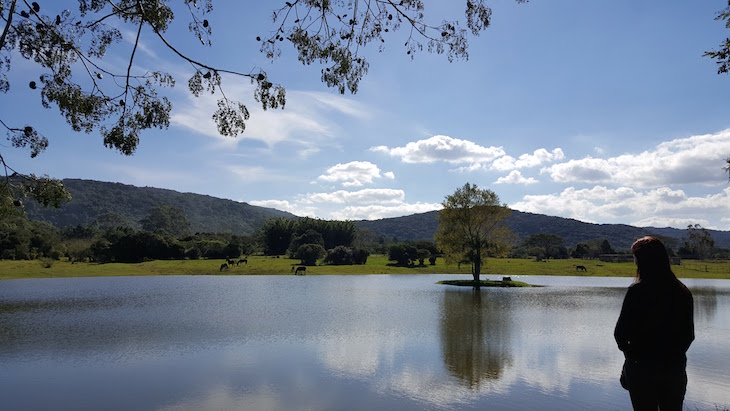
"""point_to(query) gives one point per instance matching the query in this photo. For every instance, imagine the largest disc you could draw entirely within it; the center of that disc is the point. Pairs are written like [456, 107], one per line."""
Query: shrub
[339, 255]
[310, 253]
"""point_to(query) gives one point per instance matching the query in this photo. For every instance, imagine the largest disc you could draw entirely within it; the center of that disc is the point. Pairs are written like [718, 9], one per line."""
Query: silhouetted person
[654, 330]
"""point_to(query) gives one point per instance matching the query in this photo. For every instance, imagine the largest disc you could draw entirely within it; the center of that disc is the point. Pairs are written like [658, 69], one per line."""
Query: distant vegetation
[121, 223]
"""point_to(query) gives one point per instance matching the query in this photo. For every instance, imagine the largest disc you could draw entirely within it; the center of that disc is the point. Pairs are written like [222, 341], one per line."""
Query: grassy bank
[377, 264]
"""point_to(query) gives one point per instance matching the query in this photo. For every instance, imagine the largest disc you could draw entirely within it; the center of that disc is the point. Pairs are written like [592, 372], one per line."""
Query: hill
[94, 199]
[620, 236]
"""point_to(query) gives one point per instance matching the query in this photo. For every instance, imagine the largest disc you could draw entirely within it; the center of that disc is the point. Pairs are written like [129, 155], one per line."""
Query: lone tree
[471, 224]
[95, 93]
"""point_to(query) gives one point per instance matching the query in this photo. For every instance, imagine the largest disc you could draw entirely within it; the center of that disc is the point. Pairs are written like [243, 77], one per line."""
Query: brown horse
[230, 262]
[300, 270]
[224, 266]
[242, 260]
[581, 268]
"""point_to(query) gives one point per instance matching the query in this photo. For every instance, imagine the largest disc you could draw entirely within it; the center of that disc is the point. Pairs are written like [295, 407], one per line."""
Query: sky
[604, 112]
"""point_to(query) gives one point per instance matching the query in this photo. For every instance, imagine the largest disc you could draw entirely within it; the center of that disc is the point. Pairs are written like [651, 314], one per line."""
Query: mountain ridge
[92, 199]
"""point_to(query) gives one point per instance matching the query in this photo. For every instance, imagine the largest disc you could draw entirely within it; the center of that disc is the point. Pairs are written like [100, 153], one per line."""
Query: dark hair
[652, 261]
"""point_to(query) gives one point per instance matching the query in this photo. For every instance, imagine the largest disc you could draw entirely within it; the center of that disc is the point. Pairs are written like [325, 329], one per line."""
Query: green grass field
[377, 264]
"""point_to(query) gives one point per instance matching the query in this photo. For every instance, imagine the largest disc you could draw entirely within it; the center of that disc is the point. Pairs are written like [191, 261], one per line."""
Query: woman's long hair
[652, 261]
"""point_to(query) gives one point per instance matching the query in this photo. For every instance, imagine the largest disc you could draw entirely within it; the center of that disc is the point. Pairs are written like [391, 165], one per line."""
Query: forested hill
[620, 236]
[94, 199]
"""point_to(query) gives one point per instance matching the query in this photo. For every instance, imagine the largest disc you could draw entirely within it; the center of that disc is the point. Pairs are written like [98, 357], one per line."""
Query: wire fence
[723, 267]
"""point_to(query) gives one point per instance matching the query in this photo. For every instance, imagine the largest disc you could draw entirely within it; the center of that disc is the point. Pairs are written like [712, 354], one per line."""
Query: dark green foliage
[545, 245]
[339, 255]
[697, 244]
[126, 246]
[403, 254]
[275, 235]
[21, 239]
[166, 220]
[620, 236]
[310, 253]
[278, 235]
[342, 255]
[308, 237]
[432, 259]
[114, 204]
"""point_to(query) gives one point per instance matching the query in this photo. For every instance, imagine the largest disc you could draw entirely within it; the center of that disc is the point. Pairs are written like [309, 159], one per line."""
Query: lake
[332, 343]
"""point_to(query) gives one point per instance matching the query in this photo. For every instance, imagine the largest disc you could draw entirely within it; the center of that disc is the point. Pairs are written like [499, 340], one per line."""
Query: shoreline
[376, 264]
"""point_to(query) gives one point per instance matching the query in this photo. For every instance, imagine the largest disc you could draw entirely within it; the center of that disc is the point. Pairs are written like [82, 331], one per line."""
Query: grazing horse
[300, 270]
[230, 262]
[223, 266]
[506, 279]
[242, 260]
[581, 268]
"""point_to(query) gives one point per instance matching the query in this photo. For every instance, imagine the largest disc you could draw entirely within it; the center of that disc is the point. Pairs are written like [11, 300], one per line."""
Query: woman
[654, 330]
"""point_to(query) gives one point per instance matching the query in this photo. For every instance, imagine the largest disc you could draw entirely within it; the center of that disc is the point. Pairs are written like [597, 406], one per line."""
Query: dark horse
[581, 268]
[230, 262]
[242, 260]
[224, 266]
[300, 270]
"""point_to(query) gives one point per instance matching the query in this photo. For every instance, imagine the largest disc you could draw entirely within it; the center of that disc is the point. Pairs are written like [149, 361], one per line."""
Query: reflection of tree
[705, 303]
[474, 336]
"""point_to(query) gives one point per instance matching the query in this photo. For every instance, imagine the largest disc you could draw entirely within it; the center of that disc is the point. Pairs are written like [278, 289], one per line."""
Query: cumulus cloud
[354, 174]
[442, 148]
[366, 196]
[539, 157]
[663, 206]
[691, 160]
[515, 177]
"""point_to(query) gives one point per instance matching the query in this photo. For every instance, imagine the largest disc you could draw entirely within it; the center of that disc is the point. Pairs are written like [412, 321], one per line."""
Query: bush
[360, 255]
[310, 253]
[432, 260]
[339, 255]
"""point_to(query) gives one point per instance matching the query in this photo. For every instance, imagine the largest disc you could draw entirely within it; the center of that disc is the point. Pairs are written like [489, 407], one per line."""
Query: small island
[485, 283]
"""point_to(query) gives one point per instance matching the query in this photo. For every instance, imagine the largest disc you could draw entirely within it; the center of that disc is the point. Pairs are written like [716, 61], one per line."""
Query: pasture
[376, 264]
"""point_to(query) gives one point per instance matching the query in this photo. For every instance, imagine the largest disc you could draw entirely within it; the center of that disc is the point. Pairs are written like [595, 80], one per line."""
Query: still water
[332, 343]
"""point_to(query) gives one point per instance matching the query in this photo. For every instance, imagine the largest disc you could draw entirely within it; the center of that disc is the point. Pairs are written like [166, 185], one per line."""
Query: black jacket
[656, 324]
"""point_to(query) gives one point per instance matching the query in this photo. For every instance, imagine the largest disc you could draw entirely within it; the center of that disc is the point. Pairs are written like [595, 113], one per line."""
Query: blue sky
[605, 112]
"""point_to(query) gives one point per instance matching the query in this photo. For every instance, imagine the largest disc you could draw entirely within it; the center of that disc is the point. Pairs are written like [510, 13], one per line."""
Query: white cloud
[354, 174]
[539, 157]
[366, 196]
[515, 177]
[285, 205]
[692, 160]
[442, 148]
[307, 120]
[374, 212]
[663, 205]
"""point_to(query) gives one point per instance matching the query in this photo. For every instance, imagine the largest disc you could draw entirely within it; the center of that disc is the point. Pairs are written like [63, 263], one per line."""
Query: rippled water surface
[332, 343]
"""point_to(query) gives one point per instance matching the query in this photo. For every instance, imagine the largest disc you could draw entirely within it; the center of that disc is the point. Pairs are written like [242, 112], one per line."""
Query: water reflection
[705, 300]
[475, 337]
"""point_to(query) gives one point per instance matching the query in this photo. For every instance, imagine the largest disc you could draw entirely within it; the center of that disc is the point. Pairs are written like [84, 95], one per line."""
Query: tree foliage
[121, 102]
[166, 219]
[471, 224]
[698, 243]
[549, 245]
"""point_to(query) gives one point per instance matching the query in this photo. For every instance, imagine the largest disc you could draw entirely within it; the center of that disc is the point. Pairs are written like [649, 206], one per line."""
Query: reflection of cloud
[667, 207]
[691, 160]
[354, 173]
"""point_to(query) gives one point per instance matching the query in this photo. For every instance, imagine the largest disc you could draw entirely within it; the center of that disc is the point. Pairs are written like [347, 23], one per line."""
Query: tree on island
[470, 225]
[122, 101]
